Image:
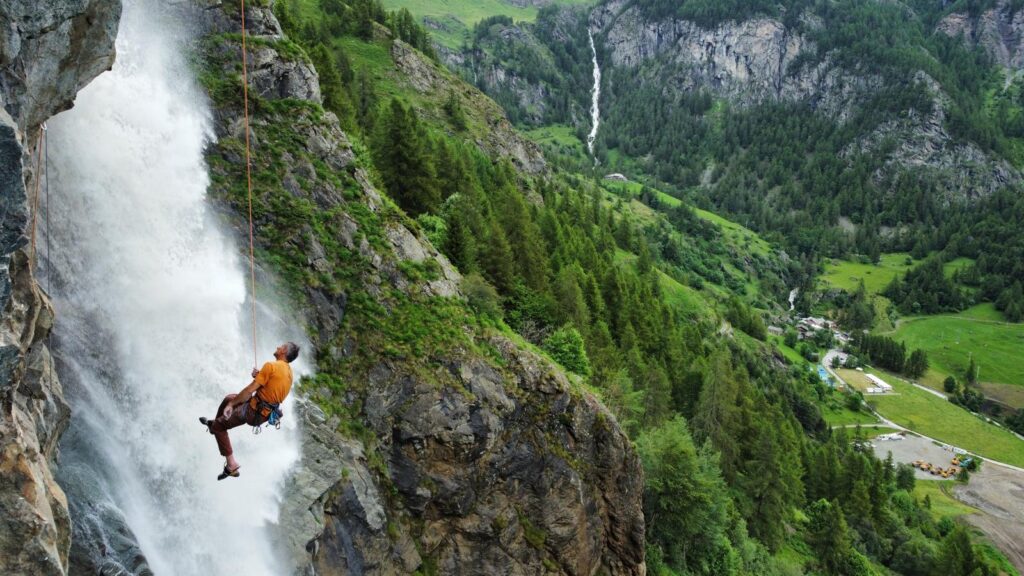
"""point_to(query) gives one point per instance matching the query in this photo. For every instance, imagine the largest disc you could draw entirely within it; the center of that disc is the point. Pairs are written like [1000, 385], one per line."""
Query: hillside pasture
[997, 347]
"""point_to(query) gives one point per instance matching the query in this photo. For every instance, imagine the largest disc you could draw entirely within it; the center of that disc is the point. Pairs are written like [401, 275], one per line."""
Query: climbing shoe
[226, 473]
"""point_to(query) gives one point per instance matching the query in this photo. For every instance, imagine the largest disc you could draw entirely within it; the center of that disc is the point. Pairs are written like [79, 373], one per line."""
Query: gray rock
[274, 77]
[756, 61]
[48, 51]
[999, 31]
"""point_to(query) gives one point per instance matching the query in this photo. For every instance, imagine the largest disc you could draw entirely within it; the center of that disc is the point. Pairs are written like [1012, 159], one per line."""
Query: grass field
[932, 416]
[855, 379]
[465, 13]
[560, 137]
[997, 347]
[943, 503]
[792, 355]
[846, 275]
[846, 417]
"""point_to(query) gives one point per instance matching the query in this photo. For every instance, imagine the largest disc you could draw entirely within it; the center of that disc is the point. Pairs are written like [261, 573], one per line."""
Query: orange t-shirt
[275, 380]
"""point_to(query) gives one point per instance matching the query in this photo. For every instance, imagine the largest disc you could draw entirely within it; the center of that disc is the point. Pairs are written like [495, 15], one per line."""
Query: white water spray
[595, 110]
[152, 317]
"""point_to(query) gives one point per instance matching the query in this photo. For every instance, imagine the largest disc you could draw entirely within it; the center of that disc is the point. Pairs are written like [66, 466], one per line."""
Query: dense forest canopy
[794, 173]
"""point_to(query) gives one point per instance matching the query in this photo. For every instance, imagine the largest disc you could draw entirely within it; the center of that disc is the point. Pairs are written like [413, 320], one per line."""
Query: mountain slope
[436, 443]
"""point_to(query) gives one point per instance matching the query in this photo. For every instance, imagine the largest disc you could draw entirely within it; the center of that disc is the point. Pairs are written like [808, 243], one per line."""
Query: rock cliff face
[516, 64]
[448, 460]
[760, 60]
[999, 31]
[48, 51]
[748, 62]
[921, 141]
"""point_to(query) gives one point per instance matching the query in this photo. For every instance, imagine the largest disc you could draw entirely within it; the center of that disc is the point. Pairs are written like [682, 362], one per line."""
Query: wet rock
[274, 78]
[48, 51]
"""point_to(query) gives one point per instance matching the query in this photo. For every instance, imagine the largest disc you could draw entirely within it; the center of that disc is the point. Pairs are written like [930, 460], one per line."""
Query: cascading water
[152, 324]
[595, 110]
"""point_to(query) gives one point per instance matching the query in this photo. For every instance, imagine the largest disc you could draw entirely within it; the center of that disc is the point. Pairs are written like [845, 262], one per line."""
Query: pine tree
[971, 375]
[402, 158]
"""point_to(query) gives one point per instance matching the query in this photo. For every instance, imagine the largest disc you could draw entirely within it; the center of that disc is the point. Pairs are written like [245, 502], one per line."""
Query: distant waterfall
[152, 325]
[595, 110]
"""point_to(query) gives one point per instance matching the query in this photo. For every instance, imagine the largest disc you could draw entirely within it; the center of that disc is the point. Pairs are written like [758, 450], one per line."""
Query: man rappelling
[257, 403]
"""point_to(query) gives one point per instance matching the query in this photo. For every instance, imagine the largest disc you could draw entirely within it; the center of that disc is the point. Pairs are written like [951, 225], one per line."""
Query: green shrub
[566, 347]
[482, 297]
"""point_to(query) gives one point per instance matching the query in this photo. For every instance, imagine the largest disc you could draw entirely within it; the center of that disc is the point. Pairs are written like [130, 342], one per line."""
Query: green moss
[535, 537]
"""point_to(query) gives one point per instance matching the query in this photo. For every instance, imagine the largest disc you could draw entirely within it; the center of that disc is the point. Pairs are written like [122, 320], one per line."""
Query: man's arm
[244, 395]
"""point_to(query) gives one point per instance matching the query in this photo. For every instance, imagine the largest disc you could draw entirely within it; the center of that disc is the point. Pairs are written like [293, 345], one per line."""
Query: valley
[623, 287]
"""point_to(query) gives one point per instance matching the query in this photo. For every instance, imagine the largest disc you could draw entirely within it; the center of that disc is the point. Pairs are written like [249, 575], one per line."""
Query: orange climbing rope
[248, 179]
[38, 177]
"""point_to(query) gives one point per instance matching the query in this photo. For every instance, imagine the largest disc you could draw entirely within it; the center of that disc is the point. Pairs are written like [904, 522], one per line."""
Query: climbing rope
[248, 179]
[46, 214]
[37, 176]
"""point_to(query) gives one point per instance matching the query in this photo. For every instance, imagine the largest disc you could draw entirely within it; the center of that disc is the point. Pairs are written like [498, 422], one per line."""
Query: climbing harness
[274, 418]
[248, 179]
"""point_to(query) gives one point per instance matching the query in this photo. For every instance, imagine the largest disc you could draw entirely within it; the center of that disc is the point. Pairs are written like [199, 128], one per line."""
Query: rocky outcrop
[499, 138]
[515, 64]
[747, 62]
[511, 475]
[999, 31]
[450, 461]
[760, 60]
[48, 51]
[917, 141]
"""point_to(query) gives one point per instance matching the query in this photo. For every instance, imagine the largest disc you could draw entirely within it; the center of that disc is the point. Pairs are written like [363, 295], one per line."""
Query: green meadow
[997, 347]
[846, 275]
[457, 17]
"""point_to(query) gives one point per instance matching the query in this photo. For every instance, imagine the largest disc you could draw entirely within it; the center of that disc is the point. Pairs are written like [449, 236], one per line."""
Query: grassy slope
[558, 139]
[742, 240]
[459, 16]
[846, 275]
[998, 347]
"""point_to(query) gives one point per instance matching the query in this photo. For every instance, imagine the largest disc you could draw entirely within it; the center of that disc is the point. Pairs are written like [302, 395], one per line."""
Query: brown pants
[240, 415]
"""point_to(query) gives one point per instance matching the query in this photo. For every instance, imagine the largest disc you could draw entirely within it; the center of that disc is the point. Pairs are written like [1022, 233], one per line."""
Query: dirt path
[999, 495]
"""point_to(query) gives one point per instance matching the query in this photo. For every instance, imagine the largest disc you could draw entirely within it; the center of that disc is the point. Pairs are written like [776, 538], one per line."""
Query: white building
[880, 386]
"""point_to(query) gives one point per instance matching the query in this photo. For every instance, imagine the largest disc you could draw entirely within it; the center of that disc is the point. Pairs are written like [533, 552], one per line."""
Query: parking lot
[913, 448]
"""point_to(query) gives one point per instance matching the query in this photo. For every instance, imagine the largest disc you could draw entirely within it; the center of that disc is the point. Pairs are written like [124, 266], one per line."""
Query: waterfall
[151, 329]
[595, 110]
